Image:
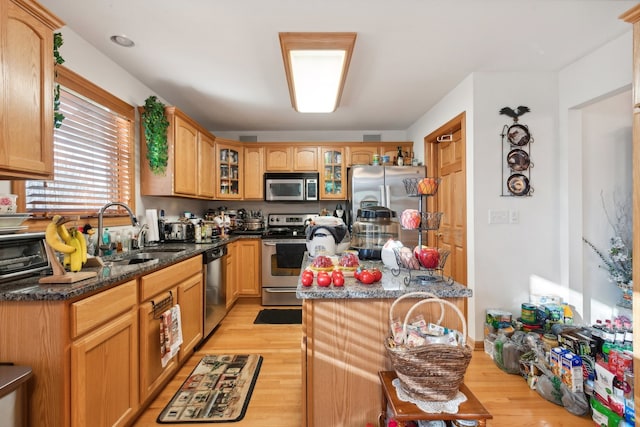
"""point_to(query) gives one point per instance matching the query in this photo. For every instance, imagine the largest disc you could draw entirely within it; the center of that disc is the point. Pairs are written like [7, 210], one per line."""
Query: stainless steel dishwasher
[215, 296]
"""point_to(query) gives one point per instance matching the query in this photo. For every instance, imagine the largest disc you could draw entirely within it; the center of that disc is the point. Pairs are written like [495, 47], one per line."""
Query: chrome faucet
[134, 222]
[142, 236]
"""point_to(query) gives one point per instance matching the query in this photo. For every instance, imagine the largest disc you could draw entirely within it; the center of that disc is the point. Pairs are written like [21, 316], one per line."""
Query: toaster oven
[21, 255]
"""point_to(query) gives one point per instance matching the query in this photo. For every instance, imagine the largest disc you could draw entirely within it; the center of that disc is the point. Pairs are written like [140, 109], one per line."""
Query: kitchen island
[343, 330]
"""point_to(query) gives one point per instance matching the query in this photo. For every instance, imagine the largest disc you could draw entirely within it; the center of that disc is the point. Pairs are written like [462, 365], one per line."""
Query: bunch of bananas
[71, 243]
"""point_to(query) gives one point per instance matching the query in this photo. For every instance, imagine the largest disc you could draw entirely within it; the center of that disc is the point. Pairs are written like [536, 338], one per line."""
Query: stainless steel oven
[283, 248]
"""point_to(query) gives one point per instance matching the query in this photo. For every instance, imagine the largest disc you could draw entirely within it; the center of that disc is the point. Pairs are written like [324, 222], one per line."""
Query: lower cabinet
[161, 288]
[230, 274]
[104, 360]
[96, 361]
[248, 267]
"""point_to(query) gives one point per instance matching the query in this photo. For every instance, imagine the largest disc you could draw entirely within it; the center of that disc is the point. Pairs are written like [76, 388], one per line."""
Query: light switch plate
[514, 216]
[498, 217]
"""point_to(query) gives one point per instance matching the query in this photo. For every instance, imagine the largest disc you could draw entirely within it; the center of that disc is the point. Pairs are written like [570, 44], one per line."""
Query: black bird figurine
[507, 111]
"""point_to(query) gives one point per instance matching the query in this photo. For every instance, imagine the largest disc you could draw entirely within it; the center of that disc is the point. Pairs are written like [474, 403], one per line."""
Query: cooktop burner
[287, 225]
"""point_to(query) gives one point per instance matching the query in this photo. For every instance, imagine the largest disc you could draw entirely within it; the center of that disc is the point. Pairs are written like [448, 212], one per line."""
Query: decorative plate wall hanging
[515, 157]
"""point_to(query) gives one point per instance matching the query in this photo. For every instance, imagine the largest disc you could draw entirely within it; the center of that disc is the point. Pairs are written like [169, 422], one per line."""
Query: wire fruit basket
[434, 371]
[421, 186]
[407, 260]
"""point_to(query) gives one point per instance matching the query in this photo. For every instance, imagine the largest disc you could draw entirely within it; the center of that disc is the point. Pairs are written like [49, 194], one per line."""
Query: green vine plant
[58, 117]
[155, 125]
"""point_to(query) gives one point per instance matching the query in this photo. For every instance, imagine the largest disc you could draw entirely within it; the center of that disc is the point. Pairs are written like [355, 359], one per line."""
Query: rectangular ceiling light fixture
[316, 65]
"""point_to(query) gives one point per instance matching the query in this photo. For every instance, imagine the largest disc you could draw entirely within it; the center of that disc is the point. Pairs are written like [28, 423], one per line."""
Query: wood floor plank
[277, 397]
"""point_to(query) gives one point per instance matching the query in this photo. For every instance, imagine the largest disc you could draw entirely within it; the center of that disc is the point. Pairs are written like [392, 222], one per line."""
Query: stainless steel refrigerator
[383, 186]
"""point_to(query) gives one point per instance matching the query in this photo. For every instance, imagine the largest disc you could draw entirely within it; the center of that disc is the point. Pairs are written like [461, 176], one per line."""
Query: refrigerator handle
[383, 196]
[387, 197]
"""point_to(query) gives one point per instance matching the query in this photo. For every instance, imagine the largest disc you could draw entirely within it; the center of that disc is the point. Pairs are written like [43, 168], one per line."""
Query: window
[93, 153]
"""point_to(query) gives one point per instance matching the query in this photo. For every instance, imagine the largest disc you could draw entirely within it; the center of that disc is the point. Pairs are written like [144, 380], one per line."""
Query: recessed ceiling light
[316, 65]
[123, 41]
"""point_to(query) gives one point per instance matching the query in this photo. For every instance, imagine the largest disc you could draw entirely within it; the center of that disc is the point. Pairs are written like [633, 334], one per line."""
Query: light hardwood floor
[276, 399]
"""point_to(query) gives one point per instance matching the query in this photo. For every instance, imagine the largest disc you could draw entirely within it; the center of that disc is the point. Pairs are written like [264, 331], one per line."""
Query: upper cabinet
[190, 169]
[332, 174]
[253, 170]
[291, 158]
[230, 173]
[26, 102]
[361, 155]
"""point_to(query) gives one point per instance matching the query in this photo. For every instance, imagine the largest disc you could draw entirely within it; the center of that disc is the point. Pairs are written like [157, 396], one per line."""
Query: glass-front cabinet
[229, 159]
[333, 177]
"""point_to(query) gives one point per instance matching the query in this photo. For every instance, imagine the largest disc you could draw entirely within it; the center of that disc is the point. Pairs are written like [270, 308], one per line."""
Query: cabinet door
[357, 155]
[206, 160]
[230, 274]
[191, 313]
[278, 159]
[229, 172]
[248, 250]
[332, 174]
[26, 101]
[152, 374]
[305, 159]
[253, 173]
[185, 158]
[104, 373]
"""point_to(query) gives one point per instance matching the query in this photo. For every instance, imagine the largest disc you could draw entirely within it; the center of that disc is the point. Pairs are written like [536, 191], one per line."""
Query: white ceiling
[220, 61]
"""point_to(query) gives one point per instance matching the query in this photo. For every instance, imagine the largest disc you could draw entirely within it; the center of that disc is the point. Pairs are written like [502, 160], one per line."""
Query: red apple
[429, 257]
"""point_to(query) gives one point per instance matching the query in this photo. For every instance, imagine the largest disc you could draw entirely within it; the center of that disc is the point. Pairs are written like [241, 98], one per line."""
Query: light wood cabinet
[249, 262]
[253, 180]
[292, 157]
[206, 166]
[26, 101]
[277, 158]
[305, 159]
[155, 289]
[230, 171]
[361, 155]
[190, 299]
[231, 274]
[332, 174]
[104, 359]
[189, 171]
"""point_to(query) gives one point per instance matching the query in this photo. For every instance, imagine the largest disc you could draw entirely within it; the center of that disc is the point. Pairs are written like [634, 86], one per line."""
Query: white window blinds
[93, 162]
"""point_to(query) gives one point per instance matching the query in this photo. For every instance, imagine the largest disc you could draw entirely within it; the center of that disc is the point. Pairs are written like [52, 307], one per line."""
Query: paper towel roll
[153, 234]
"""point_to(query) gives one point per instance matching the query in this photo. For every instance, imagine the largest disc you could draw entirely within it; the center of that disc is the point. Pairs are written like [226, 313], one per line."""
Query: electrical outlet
[498, 217]
[514, 216]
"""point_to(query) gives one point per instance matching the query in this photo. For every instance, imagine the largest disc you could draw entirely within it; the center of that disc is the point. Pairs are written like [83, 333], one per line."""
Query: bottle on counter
[400, 157]
[118, 242]
[106, 241]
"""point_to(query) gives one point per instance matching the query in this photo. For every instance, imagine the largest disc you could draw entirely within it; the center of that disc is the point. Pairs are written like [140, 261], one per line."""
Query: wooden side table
[471, 409]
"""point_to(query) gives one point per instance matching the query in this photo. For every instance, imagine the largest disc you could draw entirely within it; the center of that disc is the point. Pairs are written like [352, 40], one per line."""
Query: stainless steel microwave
[290, 187]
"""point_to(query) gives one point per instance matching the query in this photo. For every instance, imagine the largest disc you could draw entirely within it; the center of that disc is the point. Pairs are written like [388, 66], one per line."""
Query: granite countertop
[390, 286]
[113, 272]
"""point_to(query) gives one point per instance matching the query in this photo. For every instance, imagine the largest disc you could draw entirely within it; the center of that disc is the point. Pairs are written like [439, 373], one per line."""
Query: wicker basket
[432, 372]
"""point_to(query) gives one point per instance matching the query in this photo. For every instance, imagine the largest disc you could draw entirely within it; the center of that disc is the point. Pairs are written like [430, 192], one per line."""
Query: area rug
[279, 316]
[217, 391]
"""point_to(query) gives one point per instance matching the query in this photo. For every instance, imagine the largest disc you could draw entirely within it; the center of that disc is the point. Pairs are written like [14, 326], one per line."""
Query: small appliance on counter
[371, 230]
[179, 231]
[327, 235]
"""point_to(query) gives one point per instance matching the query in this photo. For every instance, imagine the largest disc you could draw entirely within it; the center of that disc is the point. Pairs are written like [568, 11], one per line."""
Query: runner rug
[217, 391]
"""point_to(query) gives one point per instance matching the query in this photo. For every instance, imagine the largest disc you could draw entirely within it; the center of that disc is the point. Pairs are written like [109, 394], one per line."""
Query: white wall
[606, 176]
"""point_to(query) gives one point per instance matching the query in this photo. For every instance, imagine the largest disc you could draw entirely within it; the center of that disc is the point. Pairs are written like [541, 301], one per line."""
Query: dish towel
[170, 334]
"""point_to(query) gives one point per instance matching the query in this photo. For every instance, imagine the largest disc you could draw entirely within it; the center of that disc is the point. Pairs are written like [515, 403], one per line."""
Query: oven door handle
[279, 290]
[268, 244]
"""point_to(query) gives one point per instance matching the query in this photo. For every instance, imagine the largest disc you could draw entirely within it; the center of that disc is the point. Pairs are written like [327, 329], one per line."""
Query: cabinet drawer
[154, 283]
[95, 310]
